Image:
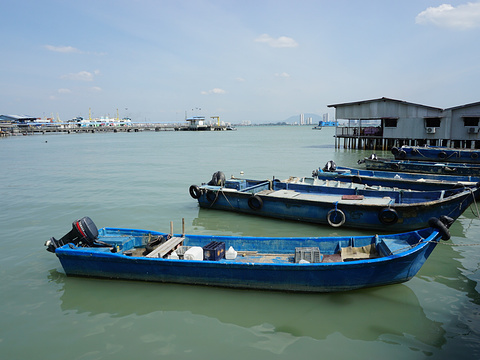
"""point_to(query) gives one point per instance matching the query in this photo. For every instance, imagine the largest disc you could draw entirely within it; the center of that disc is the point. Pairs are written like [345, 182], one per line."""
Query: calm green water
[141, 180]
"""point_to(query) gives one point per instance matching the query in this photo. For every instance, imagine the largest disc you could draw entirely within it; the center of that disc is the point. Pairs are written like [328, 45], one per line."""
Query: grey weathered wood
[166, 247]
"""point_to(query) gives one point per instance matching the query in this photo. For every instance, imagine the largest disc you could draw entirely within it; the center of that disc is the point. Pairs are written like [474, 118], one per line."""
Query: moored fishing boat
[437, 154]
[391, 210]
[308, 264]
[445, 168]
[401, 180]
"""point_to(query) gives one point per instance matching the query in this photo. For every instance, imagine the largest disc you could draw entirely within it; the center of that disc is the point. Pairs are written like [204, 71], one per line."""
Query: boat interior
[154, 245]
[309, 189]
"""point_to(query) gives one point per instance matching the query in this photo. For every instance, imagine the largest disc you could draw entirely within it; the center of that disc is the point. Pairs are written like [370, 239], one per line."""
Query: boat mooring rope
[475, 202]
[226, 198]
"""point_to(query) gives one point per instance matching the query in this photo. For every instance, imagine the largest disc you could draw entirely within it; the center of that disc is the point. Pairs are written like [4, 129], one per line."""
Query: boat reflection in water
[367, 314]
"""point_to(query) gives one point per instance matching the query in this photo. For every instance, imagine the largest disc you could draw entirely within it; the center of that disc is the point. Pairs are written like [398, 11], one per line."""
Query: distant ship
[322, 124]
[103, 121]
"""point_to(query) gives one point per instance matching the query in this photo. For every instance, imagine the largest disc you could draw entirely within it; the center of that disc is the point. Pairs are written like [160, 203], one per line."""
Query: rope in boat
[421, 154]
[217, 193]
[453, 154]
[453, 245]
[336, 212]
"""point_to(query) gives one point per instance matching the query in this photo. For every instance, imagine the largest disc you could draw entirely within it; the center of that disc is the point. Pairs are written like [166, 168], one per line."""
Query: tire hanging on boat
[195, 191]
[336, 213]
[395, 150]
[402, 154]
[255, 202]
[442, 155]
[440, 226]
[388, 216]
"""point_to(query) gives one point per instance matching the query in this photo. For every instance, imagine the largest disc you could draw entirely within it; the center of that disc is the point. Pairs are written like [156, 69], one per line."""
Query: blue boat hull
[423, 167]
[410, 252]
[437, 154]
[412, 181]
[389, 211]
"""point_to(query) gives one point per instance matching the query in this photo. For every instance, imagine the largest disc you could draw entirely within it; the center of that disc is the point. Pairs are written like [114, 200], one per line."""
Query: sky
[244, 60]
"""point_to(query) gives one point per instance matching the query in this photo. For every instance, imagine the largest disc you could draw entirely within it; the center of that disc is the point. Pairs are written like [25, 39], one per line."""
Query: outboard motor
[371, 157]
[330, 166]
[218, 179]
[84, 233]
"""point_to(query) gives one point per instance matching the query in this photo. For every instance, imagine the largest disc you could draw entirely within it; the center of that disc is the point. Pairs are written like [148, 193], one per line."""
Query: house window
[432, 122]
[471, 120]
[390, 122]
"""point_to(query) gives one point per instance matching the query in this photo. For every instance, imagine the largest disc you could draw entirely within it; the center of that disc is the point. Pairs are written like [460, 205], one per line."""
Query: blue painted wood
[391, 211]
[401, 180]
[252, 271]
[437, 154]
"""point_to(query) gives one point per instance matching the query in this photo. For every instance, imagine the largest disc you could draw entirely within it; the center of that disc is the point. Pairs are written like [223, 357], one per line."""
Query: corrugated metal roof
[464, 106]
[384, 99]
[17, 117]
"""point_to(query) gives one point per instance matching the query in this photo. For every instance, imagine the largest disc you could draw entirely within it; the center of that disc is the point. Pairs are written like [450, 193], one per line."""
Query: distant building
[302, 119]
[16, 119]
[388, 122]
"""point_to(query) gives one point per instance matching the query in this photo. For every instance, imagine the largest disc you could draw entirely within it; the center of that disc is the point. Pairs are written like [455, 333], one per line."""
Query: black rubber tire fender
[195, 191]
[440, 226]
[255, 202]
[442, 155]
[388, 216]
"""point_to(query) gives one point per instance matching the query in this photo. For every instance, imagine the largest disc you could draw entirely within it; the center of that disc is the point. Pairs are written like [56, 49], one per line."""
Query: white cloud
[462, 17]
[281, 42]
[64, 91]
[80, 76]
[213, 91]
[62, 49]
[282, 75]
[240, 79]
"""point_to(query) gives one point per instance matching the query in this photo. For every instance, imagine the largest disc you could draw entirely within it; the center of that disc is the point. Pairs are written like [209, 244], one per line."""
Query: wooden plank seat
[165, 248]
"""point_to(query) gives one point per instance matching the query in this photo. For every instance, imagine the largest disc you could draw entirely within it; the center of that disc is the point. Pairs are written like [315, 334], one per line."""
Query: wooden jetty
[50, 128]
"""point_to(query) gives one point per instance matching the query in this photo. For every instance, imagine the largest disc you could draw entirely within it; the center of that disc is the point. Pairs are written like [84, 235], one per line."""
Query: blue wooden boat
[437, 154]
[307, 264]
[462, 169]
[401, 180]
[393, 211]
